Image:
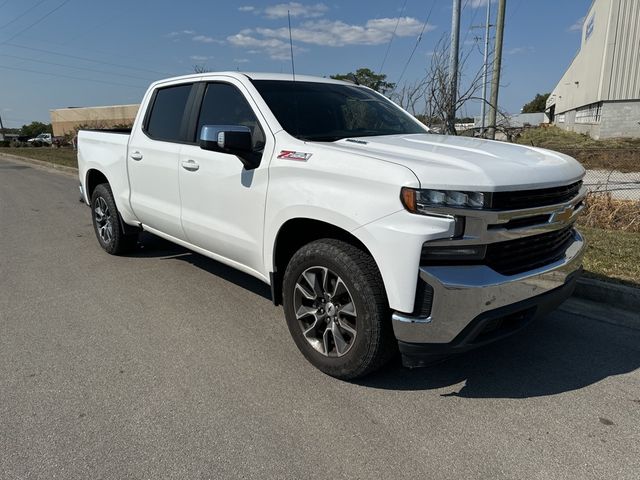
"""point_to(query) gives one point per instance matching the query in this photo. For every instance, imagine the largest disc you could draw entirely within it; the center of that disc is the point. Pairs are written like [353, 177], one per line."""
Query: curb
[41, 163]
[613, 294]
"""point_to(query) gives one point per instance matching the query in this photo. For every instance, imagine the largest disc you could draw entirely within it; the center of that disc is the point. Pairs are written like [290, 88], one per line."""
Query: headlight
[419, 200]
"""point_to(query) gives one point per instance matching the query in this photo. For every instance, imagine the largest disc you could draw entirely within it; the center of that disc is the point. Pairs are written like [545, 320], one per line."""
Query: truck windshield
[326, 112]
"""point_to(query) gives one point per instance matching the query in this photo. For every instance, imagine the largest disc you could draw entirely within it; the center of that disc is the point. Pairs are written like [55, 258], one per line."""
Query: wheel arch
[297, 232]
[94, 177]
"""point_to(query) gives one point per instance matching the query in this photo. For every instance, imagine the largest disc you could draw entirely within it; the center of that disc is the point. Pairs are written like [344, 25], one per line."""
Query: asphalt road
[165, 364]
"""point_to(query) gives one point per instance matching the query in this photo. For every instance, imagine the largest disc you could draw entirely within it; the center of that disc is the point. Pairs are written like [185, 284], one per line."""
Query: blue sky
[59, 53]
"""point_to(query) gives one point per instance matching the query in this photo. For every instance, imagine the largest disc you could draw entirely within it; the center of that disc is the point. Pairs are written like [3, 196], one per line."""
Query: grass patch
[603, 211]
[612, 255]
[622, 154]
[59, 156]
[555, 138]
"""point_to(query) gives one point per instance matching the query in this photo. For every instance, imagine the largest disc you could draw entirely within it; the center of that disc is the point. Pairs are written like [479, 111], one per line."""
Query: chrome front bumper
[462, 293]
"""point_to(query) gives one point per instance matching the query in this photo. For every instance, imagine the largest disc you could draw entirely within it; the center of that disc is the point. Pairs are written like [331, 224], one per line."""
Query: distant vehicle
[369, 230]
[43, 138]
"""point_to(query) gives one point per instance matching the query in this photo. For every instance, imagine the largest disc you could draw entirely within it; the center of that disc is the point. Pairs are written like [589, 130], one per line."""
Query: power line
[86, 59]
[416, 45]
[50, 12]
[392, 37]
[72, 77]
[473, 19]
[91, 28]
[28, 10]
[71, 66]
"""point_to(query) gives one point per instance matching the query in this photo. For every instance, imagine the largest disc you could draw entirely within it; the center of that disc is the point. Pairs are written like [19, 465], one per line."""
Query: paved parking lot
[165, 364]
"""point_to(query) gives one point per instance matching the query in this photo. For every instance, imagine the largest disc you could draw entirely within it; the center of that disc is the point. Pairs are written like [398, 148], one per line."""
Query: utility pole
[1, 129]
[497, 65]
[485, 67]
[453, 67]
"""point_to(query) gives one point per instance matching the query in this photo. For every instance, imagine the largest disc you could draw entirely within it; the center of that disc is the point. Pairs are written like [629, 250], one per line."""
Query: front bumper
[462, 294]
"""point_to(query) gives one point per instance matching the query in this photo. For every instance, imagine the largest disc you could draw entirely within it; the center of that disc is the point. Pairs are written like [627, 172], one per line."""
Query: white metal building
[600, 92]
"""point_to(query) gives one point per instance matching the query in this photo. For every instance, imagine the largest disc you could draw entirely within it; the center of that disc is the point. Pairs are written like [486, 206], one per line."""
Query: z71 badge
[290, 155]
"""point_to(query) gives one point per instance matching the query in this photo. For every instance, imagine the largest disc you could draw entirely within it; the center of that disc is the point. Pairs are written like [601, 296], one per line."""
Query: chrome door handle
[190, 165]
[136, 156]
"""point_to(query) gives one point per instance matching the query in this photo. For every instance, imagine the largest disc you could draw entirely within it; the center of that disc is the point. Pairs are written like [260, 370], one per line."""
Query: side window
[165, 119]
[223, 104]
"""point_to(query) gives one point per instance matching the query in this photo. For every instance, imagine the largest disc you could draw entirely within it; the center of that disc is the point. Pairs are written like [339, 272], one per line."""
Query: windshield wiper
[322, 138]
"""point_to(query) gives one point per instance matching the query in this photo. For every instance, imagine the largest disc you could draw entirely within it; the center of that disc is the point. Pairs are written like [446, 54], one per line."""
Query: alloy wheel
[325, 311]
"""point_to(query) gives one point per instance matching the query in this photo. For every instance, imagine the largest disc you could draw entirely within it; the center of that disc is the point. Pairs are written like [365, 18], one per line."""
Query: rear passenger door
[154, 157]
[222, 202]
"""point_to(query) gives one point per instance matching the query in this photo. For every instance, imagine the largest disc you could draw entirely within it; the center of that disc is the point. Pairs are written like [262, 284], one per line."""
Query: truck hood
[465, 163]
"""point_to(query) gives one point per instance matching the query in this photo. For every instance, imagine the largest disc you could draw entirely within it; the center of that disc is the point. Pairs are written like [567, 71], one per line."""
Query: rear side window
[167, 112]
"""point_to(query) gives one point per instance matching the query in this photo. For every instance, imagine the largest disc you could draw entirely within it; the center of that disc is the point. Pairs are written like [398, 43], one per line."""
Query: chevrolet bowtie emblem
[564, 215]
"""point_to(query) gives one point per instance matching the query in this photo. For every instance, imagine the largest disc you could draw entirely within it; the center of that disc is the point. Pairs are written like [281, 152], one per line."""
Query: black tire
[373, 343]
[106, 223]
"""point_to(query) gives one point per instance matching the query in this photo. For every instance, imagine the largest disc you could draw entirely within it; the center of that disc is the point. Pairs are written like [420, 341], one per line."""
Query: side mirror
[233, 139]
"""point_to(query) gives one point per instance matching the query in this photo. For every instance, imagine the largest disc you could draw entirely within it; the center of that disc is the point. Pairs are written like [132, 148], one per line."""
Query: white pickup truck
[374, 235]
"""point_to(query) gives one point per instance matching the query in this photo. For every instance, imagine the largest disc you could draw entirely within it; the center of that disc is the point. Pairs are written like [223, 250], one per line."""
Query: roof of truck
[257, 76]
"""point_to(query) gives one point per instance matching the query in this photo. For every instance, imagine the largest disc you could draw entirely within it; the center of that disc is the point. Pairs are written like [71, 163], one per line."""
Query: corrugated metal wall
[625, 72]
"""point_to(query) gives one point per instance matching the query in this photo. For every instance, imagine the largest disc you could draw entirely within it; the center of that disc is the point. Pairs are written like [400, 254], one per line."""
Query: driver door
[222, 203]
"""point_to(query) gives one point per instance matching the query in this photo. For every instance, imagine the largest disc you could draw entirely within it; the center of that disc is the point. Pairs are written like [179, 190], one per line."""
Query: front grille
[528, 253]
[534, 198]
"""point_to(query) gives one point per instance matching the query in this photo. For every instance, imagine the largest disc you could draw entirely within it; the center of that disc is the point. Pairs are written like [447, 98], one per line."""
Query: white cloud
[276, 49]
[519, 50]
[240, 60]
[206, 39]
[247, 8]
[577, 26]
[180, 33]
[295, 9]
[274, 42]
[200, 58]
[337, 33]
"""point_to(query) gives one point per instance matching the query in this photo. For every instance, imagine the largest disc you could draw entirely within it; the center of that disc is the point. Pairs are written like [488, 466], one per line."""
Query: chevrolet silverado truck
[375, 235]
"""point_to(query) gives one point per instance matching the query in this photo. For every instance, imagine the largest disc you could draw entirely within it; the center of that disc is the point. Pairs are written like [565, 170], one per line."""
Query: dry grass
[60, 156]
[622, 154]
[612, 229]
[603, 211]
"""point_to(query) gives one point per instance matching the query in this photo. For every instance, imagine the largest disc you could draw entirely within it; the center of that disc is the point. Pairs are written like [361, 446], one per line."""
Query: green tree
[368, 78]
[538, 104]
[35, 128]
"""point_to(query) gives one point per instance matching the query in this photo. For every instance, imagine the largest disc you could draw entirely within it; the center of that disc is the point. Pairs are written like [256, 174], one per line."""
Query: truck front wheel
[106, 222]
[336, 309]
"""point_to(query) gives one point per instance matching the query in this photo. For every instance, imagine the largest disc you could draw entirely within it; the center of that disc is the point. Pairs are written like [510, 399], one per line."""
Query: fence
[620, 185]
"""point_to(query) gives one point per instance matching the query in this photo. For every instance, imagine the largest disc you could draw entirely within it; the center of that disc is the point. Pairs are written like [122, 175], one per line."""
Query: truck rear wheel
[106, 222]
[336, 309]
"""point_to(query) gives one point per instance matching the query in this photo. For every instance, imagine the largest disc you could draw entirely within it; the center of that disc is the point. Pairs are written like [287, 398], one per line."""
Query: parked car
[42, 139]
[373, 234]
